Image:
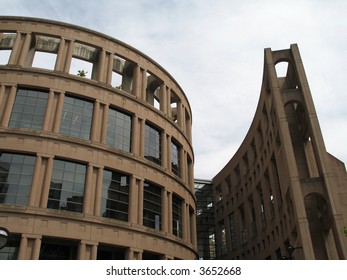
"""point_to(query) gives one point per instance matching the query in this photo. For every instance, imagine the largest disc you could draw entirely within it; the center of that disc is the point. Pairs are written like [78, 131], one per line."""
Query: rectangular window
[16, 172]
[175, 158]
[152, 206]
[115, 196]
[119, 130]
[177, 216]
[29, 109]
[152, 144]
[76, 118]
[223, 241]
[233, 231]
[67, 186]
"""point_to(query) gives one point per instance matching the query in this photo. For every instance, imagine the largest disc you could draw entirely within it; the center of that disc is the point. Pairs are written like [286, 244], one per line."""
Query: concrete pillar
[87, 200]
[133, 200]
[140, 203]
[49, 108]
[59, 112]
[137, 81]
[165, 214]
[35, 255]
[8, 108]
[35, 190]
[98, 191]
[164, 150]
[95, 133]
[102, 73]
[163, 99]
[136, 135]
[22, 248]
[169, 199]
[46, 183]
[25, 51]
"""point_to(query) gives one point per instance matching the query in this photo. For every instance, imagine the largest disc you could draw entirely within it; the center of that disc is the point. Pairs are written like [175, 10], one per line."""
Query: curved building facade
[96, 157]
[281, 196]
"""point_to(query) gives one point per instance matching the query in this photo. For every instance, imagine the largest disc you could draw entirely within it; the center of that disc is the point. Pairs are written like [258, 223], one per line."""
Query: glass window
[67, 186]
[152, 206]
[175, 159]
[16, 173]
[29, 109]
[76, 118]
[177, 216]
[10, 251]
[152, 144]
[115, 195]
[119, 130]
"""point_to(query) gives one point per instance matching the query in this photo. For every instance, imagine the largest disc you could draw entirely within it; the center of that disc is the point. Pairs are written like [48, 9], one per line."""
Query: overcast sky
[215, 51]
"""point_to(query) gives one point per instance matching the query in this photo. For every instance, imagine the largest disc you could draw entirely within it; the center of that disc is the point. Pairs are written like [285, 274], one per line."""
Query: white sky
[215, 51]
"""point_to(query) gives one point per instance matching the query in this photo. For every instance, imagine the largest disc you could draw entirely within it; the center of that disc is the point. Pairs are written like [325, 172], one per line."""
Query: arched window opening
[281, 69]
[44, 52]
[83, 60]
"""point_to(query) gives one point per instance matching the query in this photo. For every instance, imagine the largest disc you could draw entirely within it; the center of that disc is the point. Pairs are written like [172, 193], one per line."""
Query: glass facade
[67, 186]
[29, 109]
[16, 173]
[152, 144]
[152, 206]
[119, 130]
[76, 118]
[115, 196]
[177, 216]
[175, 158]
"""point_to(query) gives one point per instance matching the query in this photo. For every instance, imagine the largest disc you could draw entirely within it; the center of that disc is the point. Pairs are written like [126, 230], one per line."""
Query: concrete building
[95, 162]
[282, 195]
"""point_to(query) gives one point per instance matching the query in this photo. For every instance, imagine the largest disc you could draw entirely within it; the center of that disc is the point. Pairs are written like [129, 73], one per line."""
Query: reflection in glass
[76, 118]
[152, 144]
[29, 109]
[152, 206]
[16, 173]
[115, 196]
[119, 130]
[67, 186]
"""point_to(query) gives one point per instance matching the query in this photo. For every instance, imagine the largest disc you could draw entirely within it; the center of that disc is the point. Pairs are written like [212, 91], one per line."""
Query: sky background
[215, 51]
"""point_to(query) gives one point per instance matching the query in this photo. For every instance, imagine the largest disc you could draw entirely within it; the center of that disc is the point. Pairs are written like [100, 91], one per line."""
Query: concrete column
[102, 74]
[46, 121]
[185, 221]
[87, 191]
[81, 251]
[183, 163]
[109, 58]
[143, 85]
[98, 191]
[193, 229]
[180, 114]
[68, 57]
[34, 191]
[141, 136]
[46, 183]
[133, 200]
[8, 108]
[163, 99]
[103, 137]
[22, 248]
[15, 53]
[95, 133]
[164, 207]
[168, 160]
[140, 203]
[35, 255]
[60, 56]
[164, 150]
[2, 101]
[135, 136]
[169, 207]
[94, 252]
[59, 112]
[137, 82]
[25, 51]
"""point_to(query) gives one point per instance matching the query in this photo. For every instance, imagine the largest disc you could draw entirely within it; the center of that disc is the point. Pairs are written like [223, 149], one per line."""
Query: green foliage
[82, 73]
